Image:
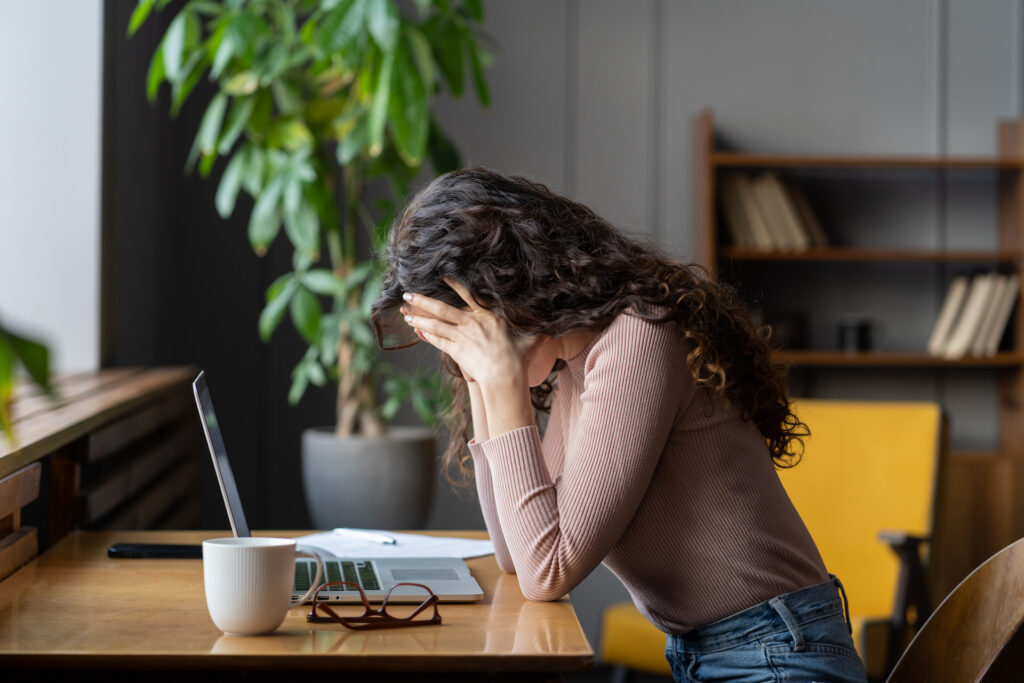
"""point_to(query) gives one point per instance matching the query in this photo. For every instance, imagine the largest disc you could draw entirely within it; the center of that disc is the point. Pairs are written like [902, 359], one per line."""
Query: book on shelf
[948, 314]
[1003, 312]
[767, 213]
[805, 214]
[761, 237]
[988, 319]
[788, 220]
[740, 231]
[974, 315]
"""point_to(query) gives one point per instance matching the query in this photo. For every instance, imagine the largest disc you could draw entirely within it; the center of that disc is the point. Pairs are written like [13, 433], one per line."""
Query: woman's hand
[475, 338]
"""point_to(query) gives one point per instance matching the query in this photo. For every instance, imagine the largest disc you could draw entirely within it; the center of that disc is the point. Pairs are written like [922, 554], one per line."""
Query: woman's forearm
[507, 404]
[476, 404]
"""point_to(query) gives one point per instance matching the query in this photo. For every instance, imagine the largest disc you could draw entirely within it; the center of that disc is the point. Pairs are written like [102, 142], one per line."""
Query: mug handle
[316, 582]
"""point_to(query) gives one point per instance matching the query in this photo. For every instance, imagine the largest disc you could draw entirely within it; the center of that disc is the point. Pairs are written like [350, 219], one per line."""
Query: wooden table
[73, 608]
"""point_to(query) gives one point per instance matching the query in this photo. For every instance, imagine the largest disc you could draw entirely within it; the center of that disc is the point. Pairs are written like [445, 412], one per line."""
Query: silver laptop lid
[219, 453]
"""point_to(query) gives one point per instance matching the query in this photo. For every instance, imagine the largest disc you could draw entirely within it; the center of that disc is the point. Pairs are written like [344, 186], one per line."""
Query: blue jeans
[799, 636]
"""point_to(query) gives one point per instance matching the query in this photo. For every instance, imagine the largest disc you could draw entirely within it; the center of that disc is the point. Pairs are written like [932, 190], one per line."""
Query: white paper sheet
[406, 545]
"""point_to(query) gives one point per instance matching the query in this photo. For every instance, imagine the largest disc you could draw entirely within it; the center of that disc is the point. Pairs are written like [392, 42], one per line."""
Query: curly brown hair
[549, 265]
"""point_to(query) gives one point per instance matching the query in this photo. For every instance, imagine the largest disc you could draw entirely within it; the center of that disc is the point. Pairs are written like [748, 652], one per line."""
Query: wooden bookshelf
[868, 255]
[741, 160]
[895, 359]
[981, 507]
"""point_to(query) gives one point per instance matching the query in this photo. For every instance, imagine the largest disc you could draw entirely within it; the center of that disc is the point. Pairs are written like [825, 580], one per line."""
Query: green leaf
[252, 174]
[329, 336]
[180, 90]
[34, 356]
[447, 40]
[303, 229]
[207, 163]
[409, 114]
[421, 404]
[6, 387]
[360, 333]
[477, 69]
[305, 310]
[274, 311]
[225, 51]
[341, 26]
[358, 275]
[266, 216]
[377, 116]
[299, 383]
[207, 7]
[238, 116]
[383, 22]
[424, 57]
[139, 15]
[323, 281]
[443, 155]
[390, 407]
[474, 9]
[371, 292]
[353, 144]
[290, 134]
[209, 128]
[174, 46]
[230, 182]
[155, 75]
[315, 373]
[244, 83]
[292, 195]
[278, 285]
[288, 100]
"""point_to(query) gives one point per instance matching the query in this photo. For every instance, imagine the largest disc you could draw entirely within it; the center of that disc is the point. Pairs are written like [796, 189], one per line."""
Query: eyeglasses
[391, 330]
[404, 608]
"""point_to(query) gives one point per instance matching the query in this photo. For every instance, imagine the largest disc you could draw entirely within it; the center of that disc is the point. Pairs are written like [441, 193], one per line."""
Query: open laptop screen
[215, 441]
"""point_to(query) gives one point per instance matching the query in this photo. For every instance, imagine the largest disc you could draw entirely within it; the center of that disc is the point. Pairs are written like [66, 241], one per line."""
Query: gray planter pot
[370, 482]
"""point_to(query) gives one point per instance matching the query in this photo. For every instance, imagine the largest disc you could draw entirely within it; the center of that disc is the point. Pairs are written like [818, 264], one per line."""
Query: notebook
[448, 577]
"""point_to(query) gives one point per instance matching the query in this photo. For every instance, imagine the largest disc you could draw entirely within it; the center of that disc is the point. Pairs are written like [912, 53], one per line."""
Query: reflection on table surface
[74, 602]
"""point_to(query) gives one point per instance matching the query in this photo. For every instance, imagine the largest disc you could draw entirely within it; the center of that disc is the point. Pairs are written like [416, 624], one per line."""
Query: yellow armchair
[867, 481]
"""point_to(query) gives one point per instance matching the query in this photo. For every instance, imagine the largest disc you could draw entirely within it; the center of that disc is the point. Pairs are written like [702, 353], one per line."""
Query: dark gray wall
[596, 99]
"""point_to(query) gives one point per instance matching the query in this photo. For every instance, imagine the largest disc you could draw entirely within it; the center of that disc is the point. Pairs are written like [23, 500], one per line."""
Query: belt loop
[794, 629]
[846, 602]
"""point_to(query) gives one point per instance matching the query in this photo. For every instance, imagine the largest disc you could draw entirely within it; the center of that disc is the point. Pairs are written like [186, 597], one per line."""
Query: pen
[356, 534]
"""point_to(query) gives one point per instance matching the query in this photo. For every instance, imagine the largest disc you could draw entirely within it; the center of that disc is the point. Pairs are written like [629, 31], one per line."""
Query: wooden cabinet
[981, 508]
[119, 449]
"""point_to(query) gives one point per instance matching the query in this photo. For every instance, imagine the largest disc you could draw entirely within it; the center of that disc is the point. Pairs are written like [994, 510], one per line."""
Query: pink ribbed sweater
[659, 480]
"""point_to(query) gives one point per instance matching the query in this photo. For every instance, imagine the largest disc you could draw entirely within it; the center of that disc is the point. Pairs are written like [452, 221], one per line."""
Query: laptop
[447, 577]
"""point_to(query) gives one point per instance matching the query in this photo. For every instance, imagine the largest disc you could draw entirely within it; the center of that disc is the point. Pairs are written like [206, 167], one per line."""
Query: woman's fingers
[463, 292]
[434, 340]
[438, 309]
[435, 326]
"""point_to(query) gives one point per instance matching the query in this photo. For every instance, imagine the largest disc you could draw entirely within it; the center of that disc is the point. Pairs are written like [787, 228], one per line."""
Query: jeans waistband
[802, 606]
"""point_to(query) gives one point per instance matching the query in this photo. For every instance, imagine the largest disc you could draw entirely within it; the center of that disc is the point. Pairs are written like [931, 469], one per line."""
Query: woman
[666, 420]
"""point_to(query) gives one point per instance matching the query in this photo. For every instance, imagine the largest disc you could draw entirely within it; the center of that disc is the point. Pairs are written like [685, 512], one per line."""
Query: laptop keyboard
[356, 571]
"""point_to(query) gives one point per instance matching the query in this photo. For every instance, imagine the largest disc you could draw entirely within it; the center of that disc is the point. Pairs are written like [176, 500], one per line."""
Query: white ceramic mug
[249, 582]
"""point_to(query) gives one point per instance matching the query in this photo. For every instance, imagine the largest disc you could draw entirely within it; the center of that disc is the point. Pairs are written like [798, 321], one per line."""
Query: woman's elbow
[542, 592]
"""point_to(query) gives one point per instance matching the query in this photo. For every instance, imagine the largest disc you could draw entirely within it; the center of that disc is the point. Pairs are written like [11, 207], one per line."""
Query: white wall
[50, 94]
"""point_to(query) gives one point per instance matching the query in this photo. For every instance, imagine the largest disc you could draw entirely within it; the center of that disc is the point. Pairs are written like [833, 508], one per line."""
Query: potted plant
[316, 101]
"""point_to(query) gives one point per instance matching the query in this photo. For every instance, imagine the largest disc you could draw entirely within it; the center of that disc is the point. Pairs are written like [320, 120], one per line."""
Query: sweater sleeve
[485, 492]
[634, 382]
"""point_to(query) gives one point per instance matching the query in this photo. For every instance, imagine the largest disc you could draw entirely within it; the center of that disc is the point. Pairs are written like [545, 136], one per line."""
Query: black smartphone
[155, 550]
